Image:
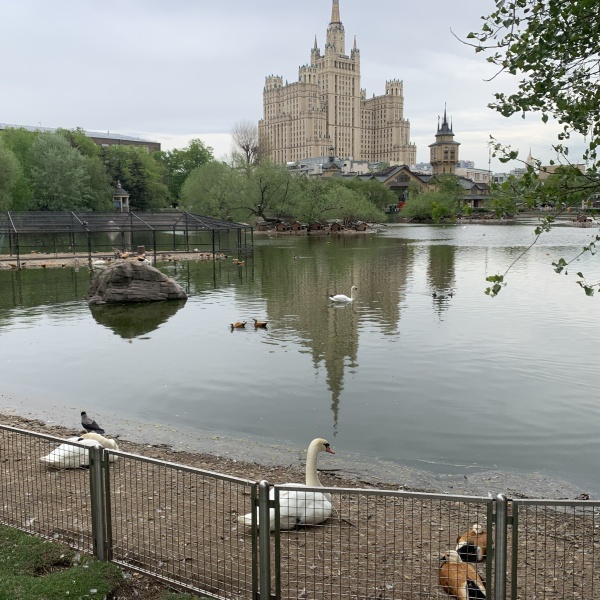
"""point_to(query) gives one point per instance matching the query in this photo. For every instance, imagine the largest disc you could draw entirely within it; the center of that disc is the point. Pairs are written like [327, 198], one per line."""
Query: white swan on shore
[103, 441]
[70, 456]
[343, 298]
[297, 508]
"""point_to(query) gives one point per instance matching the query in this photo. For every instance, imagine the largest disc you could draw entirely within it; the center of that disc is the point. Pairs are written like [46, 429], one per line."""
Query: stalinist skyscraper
[327, 113]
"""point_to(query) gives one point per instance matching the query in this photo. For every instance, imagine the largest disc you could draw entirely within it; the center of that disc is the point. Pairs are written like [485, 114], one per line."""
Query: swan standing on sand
[343, 297]
[297, 508]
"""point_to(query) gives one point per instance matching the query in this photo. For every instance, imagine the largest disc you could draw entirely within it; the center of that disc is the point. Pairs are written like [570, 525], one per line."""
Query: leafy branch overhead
[551, 46]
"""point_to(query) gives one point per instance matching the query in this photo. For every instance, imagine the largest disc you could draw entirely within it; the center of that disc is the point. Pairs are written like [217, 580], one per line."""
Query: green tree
[99, 197]
[213, 189]
[80, 141]
[267, 191]
[10, 173]
[58, 175]
[138, 173]
[312, 201]
[100, 193]
[552, 46]
[20, 141]
[356, 207]
[180, 162]
[442, 200]
[374, 191]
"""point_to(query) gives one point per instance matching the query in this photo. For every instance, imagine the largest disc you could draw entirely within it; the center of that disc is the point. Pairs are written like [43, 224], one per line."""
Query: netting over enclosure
[86, 233]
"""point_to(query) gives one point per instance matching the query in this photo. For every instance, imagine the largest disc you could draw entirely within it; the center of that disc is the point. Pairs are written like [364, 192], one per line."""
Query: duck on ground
[472, 545]
[298, 508]
[342, 298]
[460, 580]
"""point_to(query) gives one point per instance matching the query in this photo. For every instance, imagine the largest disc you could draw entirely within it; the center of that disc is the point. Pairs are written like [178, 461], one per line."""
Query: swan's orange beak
[328, 449]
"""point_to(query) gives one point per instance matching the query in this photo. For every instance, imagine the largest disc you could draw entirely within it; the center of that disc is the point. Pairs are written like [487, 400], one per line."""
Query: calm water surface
[447, 385]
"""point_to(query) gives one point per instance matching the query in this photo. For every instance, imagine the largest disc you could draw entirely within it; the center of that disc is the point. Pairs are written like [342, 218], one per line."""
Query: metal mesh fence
[555, 550]
[51, 502]
[377, 544]
[179, 523]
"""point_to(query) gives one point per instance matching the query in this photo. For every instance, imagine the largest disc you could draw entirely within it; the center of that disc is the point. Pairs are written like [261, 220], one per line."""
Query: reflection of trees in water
[297, 290]
[30, 288]
[132, 320]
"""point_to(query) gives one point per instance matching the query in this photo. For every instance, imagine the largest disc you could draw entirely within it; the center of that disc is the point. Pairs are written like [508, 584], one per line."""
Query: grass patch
[36, 569]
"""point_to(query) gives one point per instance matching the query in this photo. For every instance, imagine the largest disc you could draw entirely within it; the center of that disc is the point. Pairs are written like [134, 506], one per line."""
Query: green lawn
[35, 569]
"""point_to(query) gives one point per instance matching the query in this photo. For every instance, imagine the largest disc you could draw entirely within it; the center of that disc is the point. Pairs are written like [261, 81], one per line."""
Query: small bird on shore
[89, 424]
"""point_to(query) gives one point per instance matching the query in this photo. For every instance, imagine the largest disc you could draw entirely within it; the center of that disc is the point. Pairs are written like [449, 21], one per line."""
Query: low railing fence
[184, 526]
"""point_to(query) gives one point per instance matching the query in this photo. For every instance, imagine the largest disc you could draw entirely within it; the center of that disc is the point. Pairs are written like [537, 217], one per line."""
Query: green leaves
[560, 265]
[498, 281]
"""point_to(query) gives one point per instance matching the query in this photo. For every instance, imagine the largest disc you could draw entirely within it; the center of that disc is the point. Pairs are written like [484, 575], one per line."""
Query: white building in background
[476, 175]
[326, 112]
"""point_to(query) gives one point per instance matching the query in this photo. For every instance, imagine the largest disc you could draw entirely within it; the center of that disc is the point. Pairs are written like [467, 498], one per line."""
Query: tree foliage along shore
[551, 46]
[67, 171]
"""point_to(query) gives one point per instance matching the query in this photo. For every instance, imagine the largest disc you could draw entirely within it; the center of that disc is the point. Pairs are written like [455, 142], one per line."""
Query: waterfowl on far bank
[341, 298]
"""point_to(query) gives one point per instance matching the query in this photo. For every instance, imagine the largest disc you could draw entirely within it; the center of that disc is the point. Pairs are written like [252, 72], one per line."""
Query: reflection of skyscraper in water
[441, 276]
[301, 288]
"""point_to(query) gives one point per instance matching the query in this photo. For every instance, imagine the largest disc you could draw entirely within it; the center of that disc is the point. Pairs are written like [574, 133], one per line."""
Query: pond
[423, 377]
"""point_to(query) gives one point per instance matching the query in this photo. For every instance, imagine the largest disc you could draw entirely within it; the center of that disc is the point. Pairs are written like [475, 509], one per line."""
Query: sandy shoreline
[65, 260]
[278, 461]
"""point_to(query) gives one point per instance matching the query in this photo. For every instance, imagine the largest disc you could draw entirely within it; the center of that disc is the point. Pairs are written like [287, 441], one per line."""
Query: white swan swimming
[343, 297]
[298, 508]
[70, 456]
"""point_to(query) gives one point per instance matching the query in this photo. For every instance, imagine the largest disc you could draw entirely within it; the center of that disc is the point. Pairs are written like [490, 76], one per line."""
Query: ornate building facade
[326, 113]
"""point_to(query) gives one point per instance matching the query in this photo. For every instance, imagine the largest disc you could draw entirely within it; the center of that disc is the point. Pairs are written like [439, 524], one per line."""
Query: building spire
[335, 12]
[315, 46]
[354, 44]
[335, 31]
[444, 128]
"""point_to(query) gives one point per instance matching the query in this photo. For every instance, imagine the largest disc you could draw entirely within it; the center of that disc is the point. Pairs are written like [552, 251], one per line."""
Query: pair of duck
[458, 575]
[242, 324]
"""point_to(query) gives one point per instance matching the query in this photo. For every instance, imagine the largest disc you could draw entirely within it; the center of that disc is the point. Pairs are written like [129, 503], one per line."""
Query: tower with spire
[326, 108]
[443, 153]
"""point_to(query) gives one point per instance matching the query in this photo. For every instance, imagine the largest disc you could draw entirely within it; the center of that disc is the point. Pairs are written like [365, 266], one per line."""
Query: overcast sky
[174, 70]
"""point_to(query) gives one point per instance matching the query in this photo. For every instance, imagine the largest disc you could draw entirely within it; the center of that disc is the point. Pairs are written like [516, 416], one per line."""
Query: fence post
[264, 540]
[500, 560]
[98, 502]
